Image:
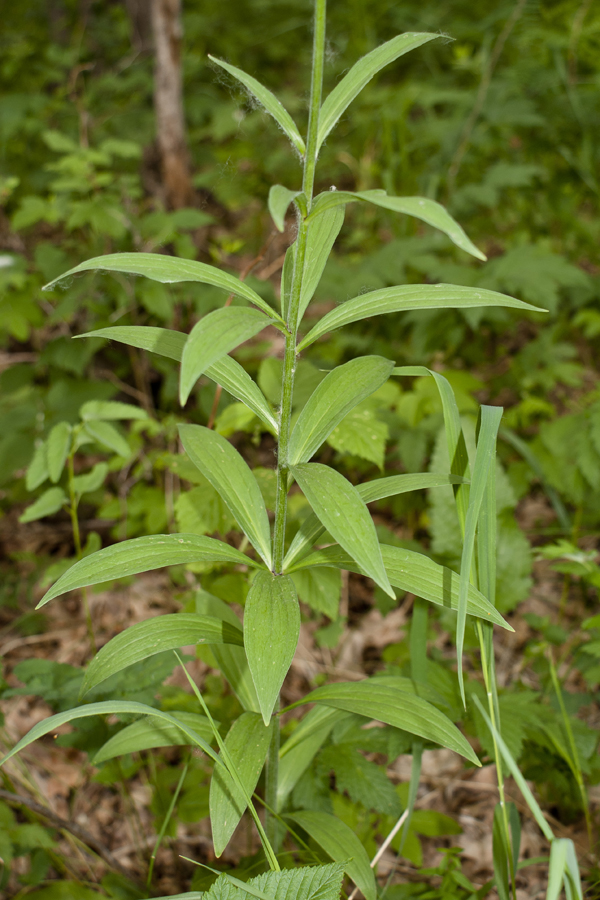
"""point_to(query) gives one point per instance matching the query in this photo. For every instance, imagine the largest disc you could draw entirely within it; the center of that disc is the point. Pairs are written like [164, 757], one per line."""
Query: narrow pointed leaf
[148, 733]
[234, 378]
[557, 867]
[412, 572]
[46, 505]
[388, 704]
[340, 843]
[57, 449]
[212, 338]
[280, 198]
[407, 297]
[162, 341]
[267, 99]
[142, 555]
[247, 743]
[271, 630]
[485, 457]
[110, 410]
[361, 73]
[144, 639]
[167, 270]
[339, 392]
[418, 207]
[342, 511]
[311, 529]
[322, 234]
[108, 708]
[37, 471]
[232, 478]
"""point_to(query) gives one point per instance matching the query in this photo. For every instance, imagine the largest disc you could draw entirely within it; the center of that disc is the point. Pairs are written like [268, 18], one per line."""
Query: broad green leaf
[340, 843]
[107, 708]
[50, 502]
[37, 471]
[57, 448]
[110, 409]
[280, 198]
[271, 630]
[231, 660]
[167, 270]
[342, 511]
[226, 371]
[419, 207]
[408, 297]
[322, 234]
[144, 639]
[412, 572]
[232, 478]
[485, 457]
[392, 706]
[92, 480]
[311, 529]
[339, 392]
[142, 555]
[300, 749]
[267, 99]
[148, 733]
[361, 433]
[247, 743]
[107, 435]
[320, 588]
[212, 338]
[361, 73]
[302, 883]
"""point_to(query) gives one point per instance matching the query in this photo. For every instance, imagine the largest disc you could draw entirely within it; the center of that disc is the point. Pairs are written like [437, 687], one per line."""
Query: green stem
[73, 503]
[165, 823]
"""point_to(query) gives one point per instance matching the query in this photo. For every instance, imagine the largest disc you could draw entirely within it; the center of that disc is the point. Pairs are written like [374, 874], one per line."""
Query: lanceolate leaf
[361, 73]
[388, 704]
[419, 207]
[108, 708]
[46, 505]
[412, 572]
[339, 841]
[111, 410]
[247, 743]
[226, 371]
[322, 234]
[152, 636]
[212, 338]
[167, 270]
[271, 630]
[280, 198]
[142, 555]
[409, 296]
[339, 392]
[145, 734]
[232, 478]
[342, 511]
[267, 99]
[59, 441]
[311, 529]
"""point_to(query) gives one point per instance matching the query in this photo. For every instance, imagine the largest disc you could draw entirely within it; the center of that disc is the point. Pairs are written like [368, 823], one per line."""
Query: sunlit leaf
[148, 733]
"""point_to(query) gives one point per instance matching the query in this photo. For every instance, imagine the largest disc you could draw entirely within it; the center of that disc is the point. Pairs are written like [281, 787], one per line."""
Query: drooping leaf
[50, 502]
[167, 270]
[90, 481]
[111, 409]
[107, 708]
[322, 234]
[340, 843]
[148, 733]
[311, 529]
[300, 749]
[339, 392]
[280, 198]
[408, 297]
[361, 73]
[412, 572]
[232, 478]
[388, 704]
[144, 639]
[267, 99]
[142, 555]
[212, 338]
[57, 449]
[342, 511]
[419, 207]
[247, 743]
[107, 435]
[271, 630]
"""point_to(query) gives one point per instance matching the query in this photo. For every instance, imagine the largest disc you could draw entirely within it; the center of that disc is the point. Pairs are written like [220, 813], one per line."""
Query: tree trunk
[168, 102]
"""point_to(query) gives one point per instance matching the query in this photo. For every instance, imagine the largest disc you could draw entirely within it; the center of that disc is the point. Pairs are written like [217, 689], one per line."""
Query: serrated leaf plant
[255, 656]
